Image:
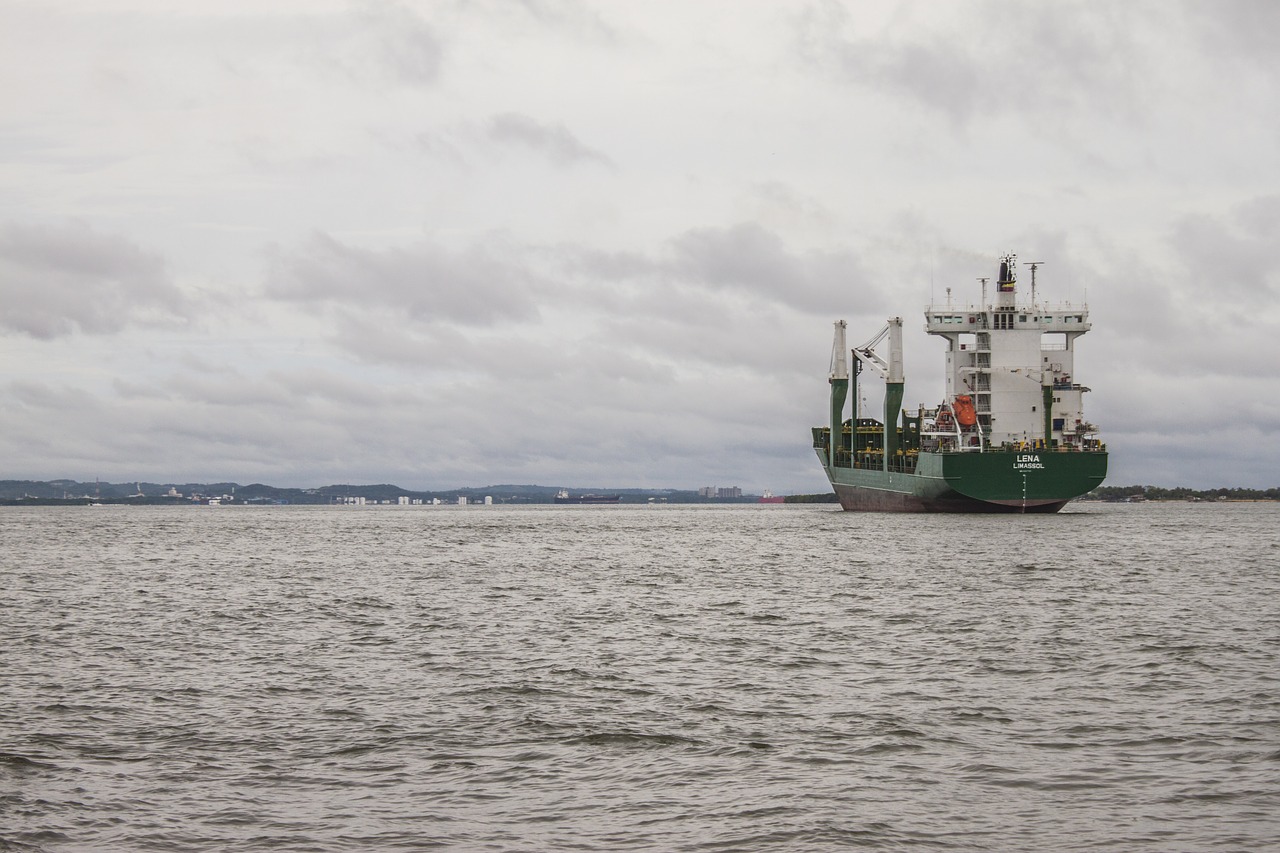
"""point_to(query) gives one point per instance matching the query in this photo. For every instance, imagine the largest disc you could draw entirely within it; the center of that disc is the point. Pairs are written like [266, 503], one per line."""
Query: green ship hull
[992, 481]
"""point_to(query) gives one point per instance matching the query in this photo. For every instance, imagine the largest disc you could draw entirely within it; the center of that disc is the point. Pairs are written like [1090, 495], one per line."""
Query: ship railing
[1084, 445]
[965, 439]
[1019, 306]
[950, 442]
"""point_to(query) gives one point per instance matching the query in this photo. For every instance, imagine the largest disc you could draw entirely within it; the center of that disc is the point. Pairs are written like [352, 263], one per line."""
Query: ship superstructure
[1010, 435]
[1016, 362]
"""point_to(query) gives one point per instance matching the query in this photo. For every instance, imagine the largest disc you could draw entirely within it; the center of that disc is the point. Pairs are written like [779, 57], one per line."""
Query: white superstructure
[1012, 357]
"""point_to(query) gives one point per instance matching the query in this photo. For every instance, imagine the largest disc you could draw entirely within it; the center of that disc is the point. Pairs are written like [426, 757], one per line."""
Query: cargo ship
[563, 497]
[1010, 435]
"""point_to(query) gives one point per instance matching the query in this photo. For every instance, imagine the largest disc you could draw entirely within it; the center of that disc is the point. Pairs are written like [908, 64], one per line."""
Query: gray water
[648, 678]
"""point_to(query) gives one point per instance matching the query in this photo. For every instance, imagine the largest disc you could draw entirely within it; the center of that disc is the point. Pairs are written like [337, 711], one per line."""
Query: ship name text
[1027, 460]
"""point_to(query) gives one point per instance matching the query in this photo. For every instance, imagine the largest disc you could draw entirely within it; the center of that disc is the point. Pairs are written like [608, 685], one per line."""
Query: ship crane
[842, 378]
[891, 370]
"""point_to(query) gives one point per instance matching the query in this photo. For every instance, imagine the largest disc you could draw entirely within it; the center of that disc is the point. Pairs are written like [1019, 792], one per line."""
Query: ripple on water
[712, 678]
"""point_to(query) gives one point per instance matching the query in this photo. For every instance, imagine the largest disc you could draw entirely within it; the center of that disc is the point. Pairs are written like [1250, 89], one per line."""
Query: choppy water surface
[666, 678]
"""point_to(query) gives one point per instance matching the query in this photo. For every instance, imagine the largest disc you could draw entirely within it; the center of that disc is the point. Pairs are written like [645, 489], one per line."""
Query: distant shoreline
[76, 493]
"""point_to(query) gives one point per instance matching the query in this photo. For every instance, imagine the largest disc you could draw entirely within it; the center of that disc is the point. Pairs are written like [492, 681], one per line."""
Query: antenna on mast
[1033, 265]
[984, 280]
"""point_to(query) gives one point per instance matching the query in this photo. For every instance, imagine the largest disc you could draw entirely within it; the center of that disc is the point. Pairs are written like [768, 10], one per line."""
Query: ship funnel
[1008, 274]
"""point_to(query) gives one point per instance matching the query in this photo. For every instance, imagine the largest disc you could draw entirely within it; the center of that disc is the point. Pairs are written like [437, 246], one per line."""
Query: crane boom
[891, 370]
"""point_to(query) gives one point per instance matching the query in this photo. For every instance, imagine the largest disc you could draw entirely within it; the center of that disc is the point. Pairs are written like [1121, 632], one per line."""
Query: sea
[657, 678]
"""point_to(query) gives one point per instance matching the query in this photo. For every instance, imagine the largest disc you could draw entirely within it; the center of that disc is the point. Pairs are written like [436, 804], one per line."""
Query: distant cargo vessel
[563, 497]
[1010, 436]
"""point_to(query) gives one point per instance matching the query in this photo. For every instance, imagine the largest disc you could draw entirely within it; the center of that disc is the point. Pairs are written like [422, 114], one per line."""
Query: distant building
[707, 492]
[729, 492]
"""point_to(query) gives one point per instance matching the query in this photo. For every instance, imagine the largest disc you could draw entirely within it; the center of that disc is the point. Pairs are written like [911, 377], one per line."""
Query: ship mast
[1033, 265]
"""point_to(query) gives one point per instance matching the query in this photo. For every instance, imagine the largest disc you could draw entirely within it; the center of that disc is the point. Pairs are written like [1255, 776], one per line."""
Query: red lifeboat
[966, 414]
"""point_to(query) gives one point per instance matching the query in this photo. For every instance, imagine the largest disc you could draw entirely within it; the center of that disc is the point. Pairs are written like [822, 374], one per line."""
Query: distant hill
[74, 491]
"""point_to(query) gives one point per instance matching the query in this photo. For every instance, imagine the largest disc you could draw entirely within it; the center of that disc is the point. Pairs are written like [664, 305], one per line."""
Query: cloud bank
[584, 243]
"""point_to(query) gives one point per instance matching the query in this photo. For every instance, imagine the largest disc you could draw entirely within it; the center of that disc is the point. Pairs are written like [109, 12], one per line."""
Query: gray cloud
[394, 40]
[573, 17]
[553, 141]
[994, 57]
[478, 286]
[1233, 258]
[1238, 30]
[698, 273]
[751, 260]
[59, 279]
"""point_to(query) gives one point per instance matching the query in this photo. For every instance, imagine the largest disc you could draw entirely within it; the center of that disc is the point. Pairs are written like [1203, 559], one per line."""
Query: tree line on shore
[1182, 493]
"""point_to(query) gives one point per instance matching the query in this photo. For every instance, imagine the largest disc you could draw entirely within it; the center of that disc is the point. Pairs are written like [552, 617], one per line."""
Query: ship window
[1022, 318]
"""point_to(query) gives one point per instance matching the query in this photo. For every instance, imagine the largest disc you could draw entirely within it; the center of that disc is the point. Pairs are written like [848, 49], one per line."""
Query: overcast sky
[602, 244]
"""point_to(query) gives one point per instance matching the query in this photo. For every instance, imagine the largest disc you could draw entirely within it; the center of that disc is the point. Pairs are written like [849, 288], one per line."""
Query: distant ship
[1010, 436]
[563, 497]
